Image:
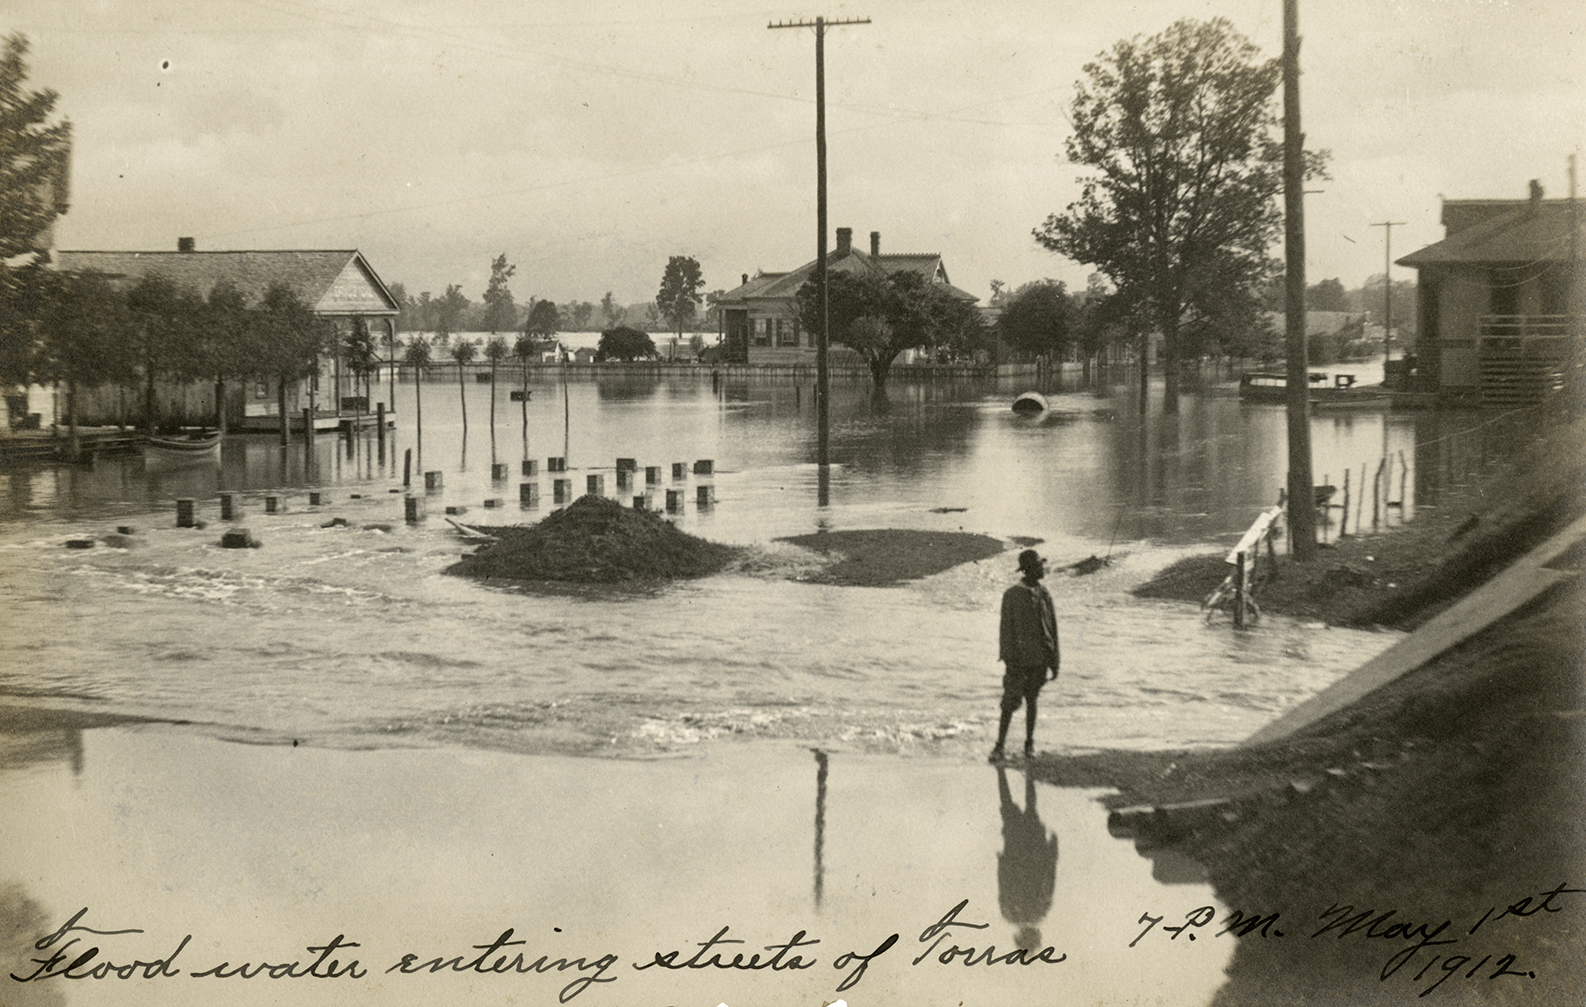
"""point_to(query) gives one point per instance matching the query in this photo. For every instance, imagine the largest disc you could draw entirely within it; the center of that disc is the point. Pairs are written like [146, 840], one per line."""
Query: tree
[417, 356]
[609, 308]
[289, 338]
[543, 320]
[34, 158]
[463, 353]
[1180, 212]
[1328, 295]
[500, 313]
[164, 327]
[495, 352]
[879, 316]
[623, 343]
[80, 324]
[228, 326]
[1035, 319]
[449, 308]
[679, 295]
[578, 313]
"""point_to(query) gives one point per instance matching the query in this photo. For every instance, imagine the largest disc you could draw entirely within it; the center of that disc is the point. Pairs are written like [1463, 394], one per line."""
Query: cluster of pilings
[626, 478]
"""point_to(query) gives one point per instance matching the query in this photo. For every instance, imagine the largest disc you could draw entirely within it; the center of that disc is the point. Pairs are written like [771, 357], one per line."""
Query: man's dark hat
[1029, 558]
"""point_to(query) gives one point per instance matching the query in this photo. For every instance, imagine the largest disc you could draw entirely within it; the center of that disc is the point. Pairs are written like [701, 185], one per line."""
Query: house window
[787, 332]
[762, 332]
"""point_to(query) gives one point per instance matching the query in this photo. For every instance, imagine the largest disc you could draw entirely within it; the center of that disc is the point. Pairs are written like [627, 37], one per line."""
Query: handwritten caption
[77, 951]
[1343, 920]
[71, 953]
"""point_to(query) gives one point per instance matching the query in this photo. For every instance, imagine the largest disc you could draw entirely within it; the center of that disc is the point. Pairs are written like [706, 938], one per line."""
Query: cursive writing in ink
[82, 964]
[938, 932]
[319, 969]
[852, 978]
[774, 963]
[410, 963]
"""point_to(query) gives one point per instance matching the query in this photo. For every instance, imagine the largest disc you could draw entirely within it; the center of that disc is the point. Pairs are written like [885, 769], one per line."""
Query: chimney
[875, 243]
[746, 277]
[185, 245]
[845, 241]
[1536, 193]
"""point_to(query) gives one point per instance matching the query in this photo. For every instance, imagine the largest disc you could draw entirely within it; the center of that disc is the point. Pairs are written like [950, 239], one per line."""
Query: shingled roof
[332, 282]
[785, 285]
[1504, 232]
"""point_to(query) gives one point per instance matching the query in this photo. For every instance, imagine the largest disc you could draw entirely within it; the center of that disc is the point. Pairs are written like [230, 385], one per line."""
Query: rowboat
[1339, 393]
[196, 446]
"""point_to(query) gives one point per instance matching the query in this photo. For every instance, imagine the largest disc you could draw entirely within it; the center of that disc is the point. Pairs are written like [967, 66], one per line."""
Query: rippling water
[352, 635]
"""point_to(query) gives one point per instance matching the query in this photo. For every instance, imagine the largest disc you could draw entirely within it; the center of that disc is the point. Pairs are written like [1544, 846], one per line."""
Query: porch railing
[1522, 357]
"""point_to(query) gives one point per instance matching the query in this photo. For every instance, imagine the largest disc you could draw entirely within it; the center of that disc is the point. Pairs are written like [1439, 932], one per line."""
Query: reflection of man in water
[1027, 865]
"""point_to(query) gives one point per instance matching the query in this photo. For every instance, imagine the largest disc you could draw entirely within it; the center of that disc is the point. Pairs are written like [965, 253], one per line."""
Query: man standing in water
[1028, 648]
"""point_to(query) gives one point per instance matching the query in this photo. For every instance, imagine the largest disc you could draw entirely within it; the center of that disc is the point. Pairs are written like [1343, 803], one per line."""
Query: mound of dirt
[595, 541]
[884, 556]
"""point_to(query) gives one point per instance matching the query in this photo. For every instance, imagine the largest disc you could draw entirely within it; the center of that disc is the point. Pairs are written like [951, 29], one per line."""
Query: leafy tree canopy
[1035, 318]
[34, 157]
[623, 343]
[679, 295]
[1181, 135]
[880, 316]
[544, 320]
[500, 313]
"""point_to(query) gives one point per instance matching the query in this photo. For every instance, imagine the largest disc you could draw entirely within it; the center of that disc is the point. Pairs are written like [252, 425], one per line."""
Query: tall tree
[34, 158]
[501, 315]
[290, 339]
[881, 316]
[417, 356]
[609, 308]
[449, 308]
[1035, 319]
[679, 295]
[80, 324]
[1328, 295]
[543, 321]
[227, 325]
[1180, 131]
[463, 353]
[163, 327]
[495, 352]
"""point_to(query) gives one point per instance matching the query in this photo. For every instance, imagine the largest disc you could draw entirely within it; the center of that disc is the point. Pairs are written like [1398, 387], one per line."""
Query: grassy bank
[1453, 791]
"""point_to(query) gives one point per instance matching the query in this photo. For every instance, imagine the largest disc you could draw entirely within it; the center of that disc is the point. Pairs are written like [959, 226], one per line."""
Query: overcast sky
[589, 141]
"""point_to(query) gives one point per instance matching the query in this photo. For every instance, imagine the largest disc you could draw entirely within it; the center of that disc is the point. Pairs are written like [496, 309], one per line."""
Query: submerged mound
[595, 541]
[886, 556]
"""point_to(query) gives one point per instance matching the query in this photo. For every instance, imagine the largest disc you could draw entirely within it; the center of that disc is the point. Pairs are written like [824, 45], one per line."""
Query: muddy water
[347, 634]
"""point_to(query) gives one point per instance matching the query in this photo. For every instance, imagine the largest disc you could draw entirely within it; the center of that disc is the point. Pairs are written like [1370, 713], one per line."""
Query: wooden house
[1500, 299]
[760, 317]
[337, 285]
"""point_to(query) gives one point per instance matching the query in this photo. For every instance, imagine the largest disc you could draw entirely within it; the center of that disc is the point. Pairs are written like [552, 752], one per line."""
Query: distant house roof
[785, 285]
[331, 282]
[1499, 231]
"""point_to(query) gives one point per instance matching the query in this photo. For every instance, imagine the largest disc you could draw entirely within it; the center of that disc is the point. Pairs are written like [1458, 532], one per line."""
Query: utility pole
[822, 378]
[1387, 289]
[1302, 495]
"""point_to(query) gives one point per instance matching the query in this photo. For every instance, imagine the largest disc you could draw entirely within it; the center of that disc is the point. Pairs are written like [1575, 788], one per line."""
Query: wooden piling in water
[413, 509]
[1343, 522]
[407, 467]
[184, 514]
[272, 504]
[228, 506]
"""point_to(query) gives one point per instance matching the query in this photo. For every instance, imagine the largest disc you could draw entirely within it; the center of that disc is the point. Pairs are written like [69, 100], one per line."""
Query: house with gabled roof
[338, 285]
[1500, 301]
[760, 318]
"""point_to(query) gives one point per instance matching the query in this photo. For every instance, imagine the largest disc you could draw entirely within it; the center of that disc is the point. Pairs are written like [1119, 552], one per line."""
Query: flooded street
[346, 635]
[416, 776]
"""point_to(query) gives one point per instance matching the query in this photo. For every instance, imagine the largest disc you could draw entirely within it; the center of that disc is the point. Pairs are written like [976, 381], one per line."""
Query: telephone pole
[1387, 289]
[822, 378]
[1302, 494]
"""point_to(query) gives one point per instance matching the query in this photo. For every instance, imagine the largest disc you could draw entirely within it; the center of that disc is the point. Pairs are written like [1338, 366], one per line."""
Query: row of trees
[83, 332]
[676, 306]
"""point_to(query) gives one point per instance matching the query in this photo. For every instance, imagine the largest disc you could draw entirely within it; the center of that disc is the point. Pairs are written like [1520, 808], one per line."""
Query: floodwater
[352, 635]
[416, 774]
